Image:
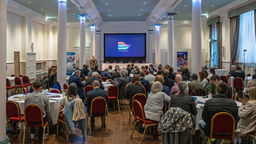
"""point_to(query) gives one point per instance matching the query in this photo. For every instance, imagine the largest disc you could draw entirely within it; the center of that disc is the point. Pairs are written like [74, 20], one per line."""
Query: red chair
[113, 92]
[140, 116]
[198, 92]
[87, 89]
[8, 86]
[34, 118]
[141, 97]
[65, 87]
[18, 84]
[26, 80]
[224, 79]
[222, 127]
[55, 91]
[13, 114]
[61, 121]
[238, 84]
[98, 108]
[104, 79]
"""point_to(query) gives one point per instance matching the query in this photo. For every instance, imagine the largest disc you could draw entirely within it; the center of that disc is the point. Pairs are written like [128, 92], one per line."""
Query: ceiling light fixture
[157, 27]
[205, 14]
[49, 17]
[106, 3]
[144, 3]
[62, 1]
[29, 2]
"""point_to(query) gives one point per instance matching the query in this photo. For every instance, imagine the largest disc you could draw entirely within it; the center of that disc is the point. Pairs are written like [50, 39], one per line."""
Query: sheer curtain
[214, 47]
[246, 40]
[234, 31]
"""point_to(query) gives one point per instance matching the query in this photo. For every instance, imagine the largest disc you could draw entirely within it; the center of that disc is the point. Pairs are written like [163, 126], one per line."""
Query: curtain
[214, 46]
[219, 43]
[255, 20]
[234, 31]
[210, 45]
[246, 39]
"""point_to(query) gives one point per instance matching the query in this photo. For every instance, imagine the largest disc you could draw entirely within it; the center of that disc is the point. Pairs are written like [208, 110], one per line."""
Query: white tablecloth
[220, 72]
[123, 65]
[200, 106]
[106, 85]
[54, 104]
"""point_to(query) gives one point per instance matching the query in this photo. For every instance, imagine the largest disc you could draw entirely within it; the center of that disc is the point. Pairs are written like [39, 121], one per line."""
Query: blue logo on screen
[123, 47]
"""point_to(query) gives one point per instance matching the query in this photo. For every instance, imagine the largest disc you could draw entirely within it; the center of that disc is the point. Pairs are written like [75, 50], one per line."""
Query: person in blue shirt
[75, 78]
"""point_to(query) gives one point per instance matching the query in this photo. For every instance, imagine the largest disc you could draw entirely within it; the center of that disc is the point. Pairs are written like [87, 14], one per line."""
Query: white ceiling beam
[160, 9]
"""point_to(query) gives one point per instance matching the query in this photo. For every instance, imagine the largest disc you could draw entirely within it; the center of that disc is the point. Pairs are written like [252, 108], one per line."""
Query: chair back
[25, 79]
[141, 97]
[54, 91]
[33, 115]
[222, 126]
[17, 81]
[113, 91]
[224, 79]
[238, 84]
[138, 110]
[87, 89]
[145, 92]
[65, 87]
[12, 109]
[8, 83]
[104, 79]
[99, 107]
[198, 92]
[99, 77]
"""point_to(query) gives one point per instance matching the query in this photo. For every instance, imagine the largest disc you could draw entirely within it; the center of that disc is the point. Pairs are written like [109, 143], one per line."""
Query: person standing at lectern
[93, 64]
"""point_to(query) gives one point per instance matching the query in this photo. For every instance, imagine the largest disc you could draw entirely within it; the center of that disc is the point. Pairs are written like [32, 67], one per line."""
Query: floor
[118, 132]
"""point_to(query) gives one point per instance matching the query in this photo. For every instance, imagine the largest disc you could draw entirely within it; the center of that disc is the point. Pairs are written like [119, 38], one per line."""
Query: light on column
[62, 1]
[82, 18]
[157, 27]
[196, 0]
[92, 28]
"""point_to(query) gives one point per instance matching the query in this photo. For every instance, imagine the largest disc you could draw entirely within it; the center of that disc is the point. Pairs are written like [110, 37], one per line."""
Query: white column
[150, 43]
[3, 21]
[28, 33]
[62, 39]
[97, 46]
[82, 60]
[196, 36]
[171, 55]
[93, 51]
[157, 45]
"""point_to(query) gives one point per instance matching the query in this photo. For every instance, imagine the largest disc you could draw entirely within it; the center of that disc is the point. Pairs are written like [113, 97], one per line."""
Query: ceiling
[184, 8]
[122, 10]
[125, 10]
[49, 8]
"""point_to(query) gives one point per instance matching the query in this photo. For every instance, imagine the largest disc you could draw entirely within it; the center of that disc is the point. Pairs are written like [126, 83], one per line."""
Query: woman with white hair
[155, 102]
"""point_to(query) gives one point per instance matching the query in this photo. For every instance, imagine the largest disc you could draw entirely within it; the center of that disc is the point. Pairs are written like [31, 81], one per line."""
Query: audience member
[93, 64]
[85, 70]
[175, 88]
[203, 80]
[155, 102]
[254, 75]
[184, 101]
[70, 95]
[166, 89]
[75, 78]
[168, 82]
[121, 83]
[185, 74]
[110, 69]
[94, 77]
[150, 77]
[212, 72]
[144, 82]
[171, 73]
[106, 73]
[239, 73]
[52, 77]
[151, 67]
[232, 70]
[96, 92]
[134, 87]
[204, 69]
[194, 84]
[220, 103]
[247, 114]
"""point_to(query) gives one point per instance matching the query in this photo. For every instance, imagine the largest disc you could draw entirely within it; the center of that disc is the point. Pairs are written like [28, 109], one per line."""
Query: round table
[54, 99]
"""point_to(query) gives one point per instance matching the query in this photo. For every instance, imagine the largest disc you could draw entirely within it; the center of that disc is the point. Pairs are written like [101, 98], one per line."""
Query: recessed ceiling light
[141, 9]
[144, 3]
[106, 3]
[108, 10]
[29, 2]
[138, 14]
[212, 5]
[110, 15]
[185, 6]
[42, 9]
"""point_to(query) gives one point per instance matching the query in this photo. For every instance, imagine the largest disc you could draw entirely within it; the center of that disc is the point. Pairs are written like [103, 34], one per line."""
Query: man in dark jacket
[97, 92]
[85, 70]
[144, 82]
[106, 73]
[75, 78]
[184, 101]
[220, 103]
[239, 73]
[121, 83]
[168, 82]
[93, 78]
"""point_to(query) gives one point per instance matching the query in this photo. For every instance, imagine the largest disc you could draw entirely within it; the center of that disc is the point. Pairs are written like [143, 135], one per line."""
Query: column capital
[62, 1]
[82, 17]
[171, 16]
[157, 27]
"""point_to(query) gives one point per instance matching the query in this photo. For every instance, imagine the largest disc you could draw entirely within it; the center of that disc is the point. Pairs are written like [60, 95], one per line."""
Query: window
[214, 47]
[246, 39]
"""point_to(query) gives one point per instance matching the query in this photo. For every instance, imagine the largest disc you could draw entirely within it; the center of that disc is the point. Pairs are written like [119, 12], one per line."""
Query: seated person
[144, 82]
[41, 99]
[203, 80]
[247, 114]
[194, 83]
[212, 73]
[93, 78]
[220, 103]
[106, 73]
[70, 95]
[85, 70]
[134, 87]
[168, 82]
[150, 77]
[171, 73]
[184, 101]
[166, 89]
[75, 78]
[175, 88]
[121, 83]
[96, 92]
[155, 102]
[254, 75]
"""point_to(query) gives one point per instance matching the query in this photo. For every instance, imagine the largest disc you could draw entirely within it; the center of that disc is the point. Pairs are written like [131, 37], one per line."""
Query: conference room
[128, 71]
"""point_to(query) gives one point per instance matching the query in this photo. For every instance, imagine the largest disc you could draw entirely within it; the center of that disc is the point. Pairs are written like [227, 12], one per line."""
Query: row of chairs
[21, 84]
